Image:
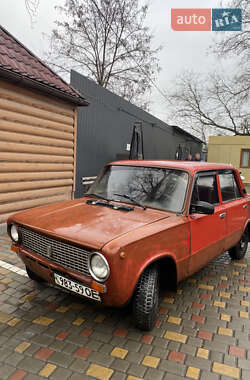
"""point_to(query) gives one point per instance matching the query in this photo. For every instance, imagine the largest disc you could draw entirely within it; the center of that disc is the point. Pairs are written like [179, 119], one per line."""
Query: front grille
[67, 255]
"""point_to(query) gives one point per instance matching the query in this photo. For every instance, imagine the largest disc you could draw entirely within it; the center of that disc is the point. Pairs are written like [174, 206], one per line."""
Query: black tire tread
[236, 253]
[146, 299]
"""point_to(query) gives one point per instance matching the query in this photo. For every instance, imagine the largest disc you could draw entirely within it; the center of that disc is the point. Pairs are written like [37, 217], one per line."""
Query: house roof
[20, 64]
[182, 131]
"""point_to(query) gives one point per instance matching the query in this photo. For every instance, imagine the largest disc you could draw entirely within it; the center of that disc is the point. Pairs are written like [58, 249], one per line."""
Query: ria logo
[49, 251]
[227, 19]
[206, 19]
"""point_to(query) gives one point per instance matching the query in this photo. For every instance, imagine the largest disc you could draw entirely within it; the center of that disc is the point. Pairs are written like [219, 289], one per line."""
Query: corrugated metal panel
[105, 128]
[36, 150]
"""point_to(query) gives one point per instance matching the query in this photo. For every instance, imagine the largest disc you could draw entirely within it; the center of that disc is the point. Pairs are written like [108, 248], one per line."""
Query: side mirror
[201, 207]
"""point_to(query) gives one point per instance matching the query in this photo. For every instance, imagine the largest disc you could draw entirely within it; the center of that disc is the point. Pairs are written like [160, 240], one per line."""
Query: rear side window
[229, 187]
[205, 189]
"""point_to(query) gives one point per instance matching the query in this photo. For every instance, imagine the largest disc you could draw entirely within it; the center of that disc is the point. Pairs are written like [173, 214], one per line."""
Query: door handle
[223, 215]
[245, 206]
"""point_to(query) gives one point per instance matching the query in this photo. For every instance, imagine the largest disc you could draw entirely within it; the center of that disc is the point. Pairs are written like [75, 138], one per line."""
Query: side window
[229, 187]
[205, 189]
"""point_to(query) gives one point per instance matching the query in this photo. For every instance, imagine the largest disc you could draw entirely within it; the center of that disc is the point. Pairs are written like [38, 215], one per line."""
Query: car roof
[190, 166]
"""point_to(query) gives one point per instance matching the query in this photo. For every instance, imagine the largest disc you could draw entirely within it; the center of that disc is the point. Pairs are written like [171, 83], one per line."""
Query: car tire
[33, 276]
[239, 250]
[146, 299]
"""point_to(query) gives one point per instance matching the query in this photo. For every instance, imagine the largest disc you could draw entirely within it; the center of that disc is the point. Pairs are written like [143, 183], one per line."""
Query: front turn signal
[98, 287]
[14, 249]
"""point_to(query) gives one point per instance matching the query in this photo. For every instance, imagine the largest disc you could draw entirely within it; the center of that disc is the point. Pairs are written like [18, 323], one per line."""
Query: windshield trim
[149, 166]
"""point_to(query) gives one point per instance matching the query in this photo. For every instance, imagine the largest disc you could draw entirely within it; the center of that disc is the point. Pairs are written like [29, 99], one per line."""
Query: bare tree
[32, 6]
[236, 43]
[107, 41]
[216, 103]
[208, 103]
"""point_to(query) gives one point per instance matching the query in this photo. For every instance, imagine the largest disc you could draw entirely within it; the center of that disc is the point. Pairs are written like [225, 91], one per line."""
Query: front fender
[168, 238]
[125, 274]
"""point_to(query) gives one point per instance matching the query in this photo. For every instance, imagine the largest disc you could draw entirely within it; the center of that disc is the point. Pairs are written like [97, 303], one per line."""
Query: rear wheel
[146, 300]
[33, 276]
[239, 250]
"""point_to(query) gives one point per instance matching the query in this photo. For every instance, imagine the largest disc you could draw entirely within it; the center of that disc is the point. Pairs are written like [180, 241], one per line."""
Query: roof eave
[187, 134]
[47, 89]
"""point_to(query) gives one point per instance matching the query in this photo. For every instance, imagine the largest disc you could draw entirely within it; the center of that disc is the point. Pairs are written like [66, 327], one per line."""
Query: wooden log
[10, 167]
[32, 194]
[75, 147]
[23, 157]
[4, 217]
[31, 176]
[29, 97]
[32, 148]
[13, 106]
[34, 121]
[29, 132]
[28, 185]
[17, 206]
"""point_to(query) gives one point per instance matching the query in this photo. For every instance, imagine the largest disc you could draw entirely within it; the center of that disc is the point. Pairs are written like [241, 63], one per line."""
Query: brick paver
[202, 331]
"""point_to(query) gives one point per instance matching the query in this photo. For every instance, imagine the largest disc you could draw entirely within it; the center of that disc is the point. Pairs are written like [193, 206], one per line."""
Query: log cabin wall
[37, 150]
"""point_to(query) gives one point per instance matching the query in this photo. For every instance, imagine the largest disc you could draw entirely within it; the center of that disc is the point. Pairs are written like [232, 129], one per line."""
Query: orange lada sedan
[141, 226]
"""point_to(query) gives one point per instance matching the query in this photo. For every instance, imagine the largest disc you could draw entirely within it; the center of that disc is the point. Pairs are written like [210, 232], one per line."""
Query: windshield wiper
[131, 199]
[97, 196]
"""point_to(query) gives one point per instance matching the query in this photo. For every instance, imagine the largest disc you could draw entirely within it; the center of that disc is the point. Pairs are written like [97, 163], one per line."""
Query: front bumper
[114, 292]
[46, 269]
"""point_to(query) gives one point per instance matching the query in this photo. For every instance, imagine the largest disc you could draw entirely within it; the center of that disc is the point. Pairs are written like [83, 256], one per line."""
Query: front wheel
[239, 250]
[146, 300]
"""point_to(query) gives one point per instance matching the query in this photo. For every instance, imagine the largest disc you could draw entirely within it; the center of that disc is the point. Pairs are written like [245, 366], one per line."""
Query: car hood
[89, 225]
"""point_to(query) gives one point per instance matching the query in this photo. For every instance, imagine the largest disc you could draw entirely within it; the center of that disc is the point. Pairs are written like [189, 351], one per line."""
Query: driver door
[208, 232]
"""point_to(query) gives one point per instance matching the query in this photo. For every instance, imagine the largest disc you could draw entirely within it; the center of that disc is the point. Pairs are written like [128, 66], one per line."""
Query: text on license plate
[76, 287]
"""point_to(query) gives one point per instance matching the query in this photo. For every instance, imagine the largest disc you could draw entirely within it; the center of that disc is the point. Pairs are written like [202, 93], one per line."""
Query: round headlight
[14, 233]
[98, 267]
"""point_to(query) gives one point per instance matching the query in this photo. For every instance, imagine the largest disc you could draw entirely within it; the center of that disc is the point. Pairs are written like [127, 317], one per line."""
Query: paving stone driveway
[203, 330]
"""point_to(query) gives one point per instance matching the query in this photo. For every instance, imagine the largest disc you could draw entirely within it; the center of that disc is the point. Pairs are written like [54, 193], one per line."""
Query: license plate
[76, 287]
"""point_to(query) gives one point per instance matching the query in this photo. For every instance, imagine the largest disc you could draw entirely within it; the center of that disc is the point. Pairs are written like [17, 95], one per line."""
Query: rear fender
[247, 227]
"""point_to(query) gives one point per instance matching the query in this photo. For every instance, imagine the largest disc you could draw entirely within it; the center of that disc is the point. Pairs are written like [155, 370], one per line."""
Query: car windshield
[160, 188]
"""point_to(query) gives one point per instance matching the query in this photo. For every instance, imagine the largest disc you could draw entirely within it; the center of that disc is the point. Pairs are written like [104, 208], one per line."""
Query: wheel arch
[247, 227]
[167, 271]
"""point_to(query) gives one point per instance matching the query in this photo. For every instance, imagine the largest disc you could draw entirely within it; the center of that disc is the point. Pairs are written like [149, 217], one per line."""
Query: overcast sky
[181, 50]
